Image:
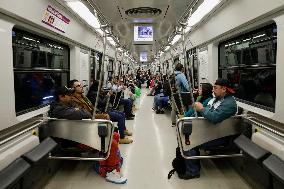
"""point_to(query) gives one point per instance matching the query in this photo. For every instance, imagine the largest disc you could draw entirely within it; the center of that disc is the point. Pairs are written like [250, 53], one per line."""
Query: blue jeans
[193, 165]
[127, 103]
[119, 117]
[160, 101]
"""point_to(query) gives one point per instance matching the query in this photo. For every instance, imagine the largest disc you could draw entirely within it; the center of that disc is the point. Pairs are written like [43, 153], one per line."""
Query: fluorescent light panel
[111, 41]
[175, 39]
[201, 11]
[167, 48]
[79, 8]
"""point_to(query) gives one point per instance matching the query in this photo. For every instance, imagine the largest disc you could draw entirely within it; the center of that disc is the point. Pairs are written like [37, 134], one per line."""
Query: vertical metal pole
[187, 68]
[178, 91]
[101, 74]
[121, 64]
[115, 60]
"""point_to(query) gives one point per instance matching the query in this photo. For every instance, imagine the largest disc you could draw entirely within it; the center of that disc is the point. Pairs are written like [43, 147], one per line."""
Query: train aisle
[147, 160]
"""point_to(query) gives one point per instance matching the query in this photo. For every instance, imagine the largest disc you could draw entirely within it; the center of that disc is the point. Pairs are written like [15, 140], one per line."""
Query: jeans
[119, 117]
[127, 103]
[193, 165]
[160, 101]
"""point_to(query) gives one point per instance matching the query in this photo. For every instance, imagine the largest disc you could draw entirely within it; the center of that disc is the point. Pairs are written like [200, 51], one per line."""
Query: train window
[96, 62]
[40, 65]
[249, 61]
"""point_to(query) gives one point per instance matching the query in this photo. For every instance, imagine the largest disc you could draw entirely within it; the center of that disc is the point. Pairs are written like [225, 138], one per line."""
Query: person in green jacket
[204, 96]
[137, 92]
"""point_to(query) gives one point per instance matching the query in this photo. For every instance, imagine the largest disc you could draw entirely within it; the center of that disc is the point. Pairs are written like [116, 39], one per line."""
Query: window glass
[40, 65]
[31, 51]
[249, 62]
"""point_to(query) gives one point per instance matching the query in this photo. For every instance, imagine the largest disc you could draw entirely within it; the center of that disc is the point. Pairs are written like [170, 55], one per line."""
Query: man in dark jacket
[64, 109]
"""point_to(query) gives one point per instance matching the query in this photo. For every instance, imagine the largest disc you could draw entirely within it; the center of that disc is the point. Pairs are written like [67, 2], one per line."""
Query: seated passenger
[115, 116]
[137, 90]
[63, 108]
[127, 103]
[78, 96]
[204, 96]
[221, 107]
[161, 100]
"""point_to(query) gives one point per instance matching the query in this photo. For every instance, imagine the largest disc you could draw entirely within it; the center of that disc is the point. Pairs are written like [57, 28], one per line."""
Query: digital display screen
[143, 33]
[143, 57]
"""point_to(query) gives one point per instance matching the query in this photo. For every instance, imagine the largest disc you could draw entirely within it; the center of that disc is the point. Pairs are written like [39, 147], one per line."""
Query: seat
[11, 175]
[275, 166]
[193, 132]
[96, 134]
[182, 101]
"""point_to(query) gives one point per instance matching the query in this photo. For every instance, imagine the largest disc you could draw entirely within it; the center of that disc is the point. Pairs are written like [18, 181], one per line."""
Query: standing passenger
[182, 85]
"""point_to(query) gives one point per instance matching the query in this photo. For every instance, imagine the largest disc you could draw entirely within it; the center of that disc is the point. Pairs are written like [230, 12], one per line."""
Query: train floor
[148, 160]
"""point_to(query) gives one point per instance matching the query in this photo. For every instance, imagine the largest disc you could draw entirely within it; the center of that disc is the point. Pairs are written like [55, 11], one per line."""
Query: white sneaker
[115, 177]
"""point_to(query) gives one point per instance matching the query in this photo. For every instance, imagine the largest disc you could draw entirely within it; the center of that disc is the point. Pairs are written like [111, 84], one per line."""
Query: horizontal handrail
[251, 119]
[22, 132]
[212, 156]
[78, 158]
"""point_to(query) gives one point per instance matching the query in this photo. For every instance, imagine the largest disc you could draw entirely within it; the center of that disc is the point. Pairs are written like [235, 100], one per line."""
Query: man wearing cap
[221, 107]
[64, 109]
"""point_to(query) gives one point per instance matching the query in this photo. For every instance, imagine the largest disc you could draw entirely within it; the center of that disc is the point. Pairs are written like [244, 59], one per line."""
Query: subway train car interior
[142, 94]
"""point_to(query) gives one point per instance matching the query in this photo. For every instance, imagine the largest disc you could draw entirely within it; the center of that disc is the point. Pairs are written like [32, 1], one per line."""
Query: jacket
[218, 110]
[181, 82]
[62, 111]
[83, 102]
[191, 112]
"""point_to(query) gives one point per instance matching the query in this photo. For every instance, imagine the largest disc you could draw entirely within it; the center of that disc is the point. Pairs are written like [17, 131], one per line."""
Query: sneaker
[187, 177]
[129, 118]
[115, 177]
[160, 111]
[127, 133]
[125, 141]
[131, 115]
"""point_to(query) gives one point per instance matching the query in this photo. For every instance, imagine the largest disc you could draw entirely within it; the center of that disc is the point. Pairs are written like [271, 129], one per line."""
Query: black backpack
[178, 164]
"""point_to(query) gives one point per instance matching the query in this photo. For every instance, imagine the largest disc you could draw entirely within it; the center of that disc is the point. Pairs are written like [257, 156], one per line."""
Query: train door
[193, 66]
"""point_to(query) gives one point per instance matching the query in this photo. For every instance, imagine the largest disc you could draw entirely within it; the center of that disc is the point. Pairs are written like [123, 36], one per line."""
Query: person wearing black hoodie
[62, 108]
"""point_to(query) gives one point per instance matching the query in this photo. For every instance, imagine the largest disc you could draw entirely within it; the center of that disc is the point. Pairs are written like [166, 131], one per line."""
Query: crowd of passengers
[215, 103]
[71, 103]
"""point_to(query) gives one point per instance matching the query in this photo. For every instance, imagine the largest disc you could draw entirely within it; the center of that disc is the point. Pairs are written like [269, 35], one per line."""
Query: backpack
[178, 164]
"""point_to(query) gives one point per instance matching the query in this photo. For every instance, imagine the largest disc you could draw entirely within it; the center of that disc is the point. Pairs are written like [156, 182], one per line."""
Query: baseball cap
[225, 83]
[63, 91]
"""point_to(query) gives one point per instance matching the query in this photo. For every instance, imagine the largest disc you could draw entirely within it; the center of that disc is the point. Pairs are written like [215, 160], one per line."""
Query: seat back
[203, 131]
[183, 101]
[82, 131]
[118, 96]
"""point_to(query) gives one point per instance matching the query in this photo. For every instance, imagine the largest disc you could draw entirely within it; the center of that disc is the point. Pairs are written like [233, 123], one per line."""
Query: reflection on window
[249, 62]
[30, 51]
[96, 61]
[254, 48]
[34, 87]
[34, 90]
